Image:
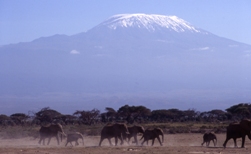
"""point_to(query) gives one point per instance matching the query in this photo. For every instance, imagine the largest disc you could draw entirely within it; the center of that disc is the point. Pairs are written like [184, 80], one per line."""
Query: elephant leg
[249, 136]
[243, 142]
[57, 139]
[143, 142]
[153, 141]
[39, 142]
[109, 139]
[225, 143]
[135, 139]
[71, 144]
[121, 140]
[49, 141]
[101, 140]
[159, 141]
[202, 143]
[76, 143]
[116, 141]
[235, 144]
[128, 141]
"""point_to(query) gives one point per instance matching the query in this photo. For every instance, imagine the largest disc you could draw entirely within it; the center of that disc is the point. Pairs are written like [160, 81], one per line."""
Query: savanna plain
[25, 140]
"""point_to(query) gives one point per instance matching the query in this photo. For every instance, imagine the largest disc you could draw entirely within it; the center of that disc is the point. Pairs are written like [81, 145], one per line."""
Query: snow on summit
[151, 22]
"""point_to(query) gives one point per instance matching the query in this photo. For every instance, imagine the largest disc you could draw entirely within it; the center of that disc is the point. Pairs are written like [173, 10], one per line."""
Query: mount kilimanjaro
[154, 60]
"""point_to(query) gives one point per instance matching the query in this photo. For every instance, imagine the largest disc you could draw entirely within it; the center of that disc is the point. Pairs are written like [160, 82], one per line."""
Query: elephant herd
[53, 130]
[234, 131]
[118, 131]
[123, 133]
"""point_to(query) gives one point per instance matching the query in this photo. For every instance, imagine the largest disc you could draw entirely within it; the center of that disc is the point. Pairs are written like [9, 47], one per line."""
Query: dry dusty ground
[173, 144]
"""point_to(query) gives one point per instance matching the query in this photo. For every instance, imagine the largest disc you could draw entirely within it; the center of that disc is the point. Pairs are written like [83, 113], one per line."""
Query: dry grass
[25, 140]
[173, 144]
[169, 128]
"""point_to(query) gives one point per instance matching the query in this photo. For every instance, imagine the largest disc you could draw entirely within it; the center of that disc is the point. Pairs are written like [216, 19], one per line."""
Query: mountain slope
[133, 57]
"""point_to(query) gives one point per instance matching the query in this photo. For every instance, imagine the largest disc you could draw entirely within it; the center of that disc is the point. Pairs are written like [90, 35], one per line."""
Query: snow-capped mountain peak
[151, 22]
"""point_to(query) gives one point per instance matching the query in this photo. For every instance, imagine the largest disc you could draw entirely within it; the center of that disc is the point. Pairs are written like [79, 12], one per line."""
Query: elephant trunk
[142, 137]
[82, 140]
[62, 134]
[162, 138]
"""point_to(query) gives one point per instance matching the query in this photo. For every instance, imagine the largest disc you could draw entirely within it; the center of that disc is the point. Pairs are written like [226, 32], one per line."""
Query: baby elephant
[74, 137]
[207, 137]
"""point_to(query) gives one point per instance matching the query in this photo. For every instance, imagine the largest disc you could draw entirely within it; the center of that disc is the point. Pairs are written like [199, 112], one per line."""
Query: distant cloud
[74, 52]
[204, 48]
[233, 45]
[99, 47]
[201, 49]
[165, 41]
[248, 55]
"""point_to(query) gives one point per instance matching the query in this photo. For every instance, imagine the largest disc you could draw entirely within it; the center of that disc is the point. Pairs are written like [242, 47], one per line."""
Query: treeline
[128, 114]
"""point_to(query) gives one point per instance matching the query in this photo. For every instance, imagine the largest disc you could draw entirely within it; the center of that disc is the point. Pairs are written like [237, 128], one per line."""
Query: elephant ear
[246, 124]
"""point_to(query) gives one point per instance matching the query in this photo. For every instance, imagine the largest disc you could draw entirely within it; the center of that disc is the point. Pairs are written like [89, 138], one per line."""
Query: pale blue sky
[26, 20]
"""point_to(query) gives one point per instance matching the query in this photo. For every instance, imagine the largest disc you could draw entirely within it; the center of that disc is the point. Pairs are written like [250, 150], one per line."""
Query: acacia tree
[68, 119]
[133, 113]
[141, 113]
[109, 115]
[19, 118]
[47, 115]
[240, 111]
[168, 115]
[218, 114]
[88, 117]
[215, 115]
[5, 120]
[191, 115]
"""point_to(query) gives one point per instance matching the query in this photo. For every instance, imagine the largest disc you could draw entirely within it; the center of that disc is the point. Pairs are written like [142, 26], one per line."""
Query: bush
[176, 130]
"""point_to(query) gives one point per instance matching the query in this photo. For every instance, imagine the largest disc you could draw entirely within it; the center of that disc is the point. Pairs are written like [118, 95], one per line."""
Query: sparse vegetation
[172, 121]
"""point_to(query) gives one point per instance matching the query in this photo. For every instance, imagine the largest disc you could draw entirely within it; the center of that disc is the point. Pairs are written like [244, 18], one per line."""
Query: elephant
[238, 130]
[134, 130]
[74, 137]
[207, 137]
[113, 130]
[151, 134]
[50, 131]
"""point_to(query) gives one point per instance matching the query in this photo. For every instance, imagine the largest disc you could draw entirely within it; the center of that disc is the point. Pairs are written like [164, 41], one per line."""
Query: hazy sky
[26, 20]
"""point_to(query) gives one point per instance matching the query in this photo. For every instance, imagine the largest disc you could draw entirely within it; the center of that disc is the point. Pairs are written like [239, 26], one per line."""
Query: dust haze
[174, 143]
